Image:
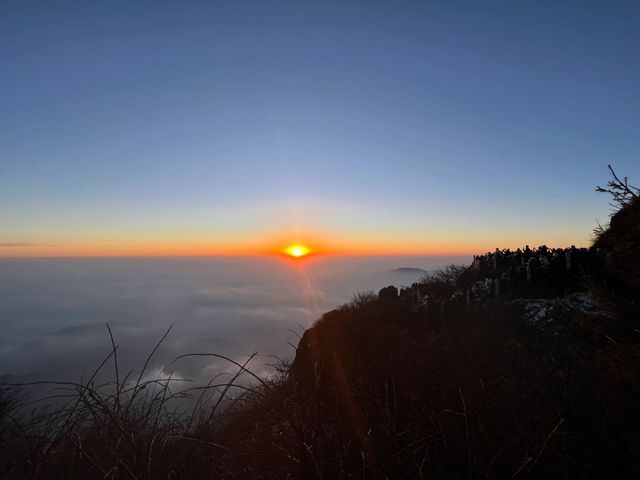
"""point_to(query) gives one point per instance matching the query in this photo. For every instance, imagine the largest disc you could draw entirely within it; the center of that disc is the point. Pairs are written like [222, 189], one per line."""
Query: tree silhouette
[621, 192]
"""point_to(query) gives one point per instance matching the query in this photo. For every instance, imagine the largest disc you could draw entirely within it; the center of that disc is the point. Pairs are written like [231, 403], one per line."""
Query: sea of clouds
[53, 312]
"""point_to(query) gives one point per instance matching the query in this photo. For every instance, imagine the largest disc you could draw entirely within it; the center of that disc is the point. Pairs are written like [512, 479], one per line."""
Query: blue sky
[400, 126]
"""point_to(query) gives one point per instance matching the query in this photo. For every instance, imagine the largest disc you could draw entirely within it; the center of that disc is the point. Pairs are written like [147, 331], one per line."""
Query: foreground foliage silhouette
[385, 388]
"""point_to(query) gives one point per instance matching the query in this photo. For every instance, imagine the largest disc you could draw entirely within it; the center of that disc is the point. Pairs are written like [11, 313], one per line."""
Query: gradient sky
[166, 127]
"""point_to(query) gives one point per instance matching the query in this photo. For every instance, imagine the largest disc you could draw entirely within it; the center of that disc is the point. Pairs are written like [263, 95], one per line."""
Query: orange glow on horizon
[291, 243]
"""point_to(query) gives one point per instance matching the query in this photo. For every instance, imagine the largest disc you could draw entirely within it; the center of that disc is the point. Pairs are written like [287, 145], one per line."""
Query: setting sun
[297, 250]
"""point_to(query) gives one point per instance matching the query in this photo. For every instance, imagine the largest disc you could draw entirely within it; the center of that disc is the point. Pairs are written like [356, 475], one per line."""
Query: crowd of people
[514, 272]
[506, 273]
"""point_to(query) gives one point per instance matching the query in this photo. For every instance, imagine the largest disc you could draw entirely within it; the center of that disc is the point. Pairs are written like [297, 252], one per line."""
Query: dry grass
[126, 428]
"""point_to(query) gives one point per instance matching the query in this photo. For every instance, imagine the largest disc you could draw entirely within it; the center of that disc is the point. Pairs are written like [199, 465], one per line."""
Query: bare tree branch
[621, 192]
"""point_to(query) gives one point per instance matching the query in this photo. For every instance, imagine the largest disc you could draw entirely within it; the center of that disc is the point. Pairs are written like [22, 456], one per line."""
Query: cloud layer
[53, 312]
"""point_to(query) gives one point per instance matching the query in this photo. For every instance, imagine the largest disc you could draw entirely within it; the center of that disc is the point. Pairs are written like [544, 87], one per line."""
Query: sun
[297, 251]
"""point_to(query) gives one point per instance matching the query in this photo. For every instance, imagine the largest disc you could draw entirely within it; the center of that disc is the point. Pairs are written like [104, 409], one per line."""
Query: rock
[389, 293]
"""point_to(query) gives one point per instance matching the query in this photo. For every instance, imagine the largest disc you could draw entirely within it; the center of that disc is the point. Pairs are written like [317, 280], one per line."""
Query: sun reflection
[297, 251]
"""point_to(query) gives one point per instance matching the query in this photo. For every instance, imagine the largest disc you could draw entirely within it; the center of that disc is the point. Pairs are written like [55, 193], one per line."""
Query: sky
[189, 128]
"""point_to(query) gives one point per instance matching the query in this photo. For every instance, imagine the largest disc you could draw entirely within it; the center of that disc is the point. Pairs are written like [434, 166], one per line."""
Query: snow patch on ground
[538, 311]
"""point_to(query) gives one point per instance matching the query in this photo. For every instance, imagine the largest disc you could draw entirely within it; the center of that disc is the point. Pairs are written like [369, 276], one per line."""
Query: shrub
[442, 283]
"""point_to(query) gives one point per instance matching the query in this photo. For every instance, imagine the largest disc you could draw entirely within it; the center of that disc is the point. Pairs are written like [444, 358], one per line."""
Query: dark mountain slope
[539, 382]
